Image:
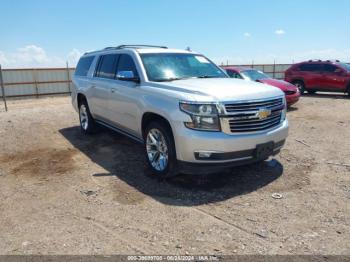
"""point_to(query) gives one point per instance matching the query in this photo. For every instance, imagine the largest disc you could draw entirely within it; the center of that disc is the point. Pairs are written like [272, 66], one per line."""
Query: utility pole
[68, 77]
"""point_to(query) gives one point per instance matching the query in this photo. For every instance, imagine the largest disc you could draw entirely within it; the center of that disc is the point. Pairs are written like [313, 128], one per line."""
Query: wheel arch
[80, 97]
[347, 87]
[298, 80]
[149, 117]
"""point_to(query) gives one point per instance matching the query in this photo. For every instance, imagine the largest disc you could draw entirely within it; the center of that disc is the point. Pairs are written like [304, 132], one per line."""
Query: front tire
[160, 150]
[300, 85]
[87, 123]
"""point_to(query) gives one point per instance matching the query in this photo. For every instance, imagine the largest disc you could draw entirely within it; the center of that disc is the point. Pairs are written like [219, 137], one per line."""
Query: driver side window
[329, 68]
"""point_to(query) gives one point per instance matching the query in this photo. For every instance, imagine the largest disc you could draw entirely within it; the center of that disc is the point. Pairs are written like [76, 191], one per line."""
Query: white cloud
[246, 34]
[3, 59]
[73, 57]
[280, 32]
[31, 55]
[36, 56]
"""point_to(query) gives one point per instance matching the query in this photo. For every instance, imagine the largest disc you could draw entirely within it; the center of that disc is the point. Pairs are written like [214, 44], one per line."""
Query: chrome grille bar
[245, 116]
[244, 106]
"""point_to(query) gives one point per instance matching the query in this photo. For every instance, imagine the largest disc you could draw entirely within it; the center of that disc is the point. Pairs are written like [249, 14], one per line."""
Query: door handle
[113, 90]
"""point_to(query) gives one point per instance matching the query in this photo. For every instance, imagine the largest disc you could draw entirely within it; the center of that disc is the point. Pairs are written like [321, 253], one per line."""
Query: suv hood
[283, 85]
[223, 89]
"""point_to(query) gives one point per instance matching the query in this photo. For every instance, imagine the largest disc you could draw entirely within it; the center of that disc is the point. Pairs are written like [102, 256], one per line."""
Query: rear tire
[311, 92]
[300, 85]
[87, 123]
[160, 150]
[348, 91]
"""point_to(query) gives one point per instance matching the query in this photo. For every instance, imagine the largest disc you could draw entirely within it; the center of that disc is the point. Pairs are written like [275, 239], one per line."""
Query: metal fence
[273, 70]
[46, 81]
[50, 81]
[36, 81]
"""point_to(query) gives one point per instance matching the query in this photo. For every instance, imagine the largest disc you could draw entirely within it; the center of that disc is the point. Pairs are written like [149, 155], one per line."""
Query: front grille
[245, 116]
[248, 106]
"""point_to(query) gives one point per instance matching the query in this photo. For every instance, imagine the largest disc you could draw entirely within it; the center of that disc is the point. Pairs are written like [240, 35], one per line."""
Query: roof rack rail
[136, 46]
[315, 60]
[126, 46]
[333, 60]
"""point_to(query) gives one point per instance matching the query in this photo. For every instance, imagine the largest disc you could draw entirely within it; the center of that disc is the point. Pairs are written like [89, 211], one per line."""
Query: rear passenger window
[310, 67]
[107, 66]
[126, 63]
[84, 66]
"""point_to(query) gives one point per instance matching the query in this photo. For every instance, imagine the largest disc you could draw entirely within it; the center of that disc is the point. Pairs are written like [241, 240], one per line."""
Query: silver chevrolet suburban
[189, 115]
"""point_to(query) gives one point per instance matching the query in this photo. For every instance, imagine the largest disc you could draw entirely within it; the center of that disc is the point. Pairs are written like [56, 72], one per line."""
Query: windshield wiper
[170, 79]
[183, 78]
[208, 76]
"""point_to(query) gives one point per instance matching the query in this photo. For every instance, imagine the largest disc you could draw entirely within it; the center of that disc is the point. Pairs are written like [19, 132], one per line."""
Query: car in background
[317, 75]
[291, 92]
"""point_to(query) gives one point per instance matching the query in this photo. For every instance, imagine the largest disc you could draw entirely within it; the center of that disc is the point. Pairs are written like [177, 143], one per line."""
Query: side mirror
[127, 76]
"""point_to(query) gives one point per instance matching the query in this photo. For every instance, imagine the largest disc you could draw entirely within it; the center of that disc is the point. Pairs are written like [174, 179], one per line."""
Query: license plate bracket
[263, 151]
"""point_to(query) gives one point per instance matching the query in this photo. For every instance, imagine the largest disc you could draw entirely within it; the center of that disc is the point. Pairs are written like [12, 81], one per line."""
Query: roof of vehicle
[142, 49]
[317, 61]
[161, 50]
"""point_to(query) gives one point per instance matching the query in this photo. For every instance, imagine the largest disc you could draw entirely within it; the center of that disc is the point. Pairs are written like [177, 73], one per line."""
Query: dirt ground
[63, 193]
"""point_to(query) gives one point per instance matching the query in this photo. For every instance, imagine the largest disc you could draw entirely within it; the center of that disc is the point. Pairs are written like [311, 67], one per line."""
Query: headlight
[284, 110]
[204, 116]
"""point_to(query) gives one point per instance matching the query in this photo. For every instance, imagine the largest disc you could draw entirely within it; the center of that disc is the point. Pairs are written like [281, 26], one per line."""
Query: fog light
[204, 154]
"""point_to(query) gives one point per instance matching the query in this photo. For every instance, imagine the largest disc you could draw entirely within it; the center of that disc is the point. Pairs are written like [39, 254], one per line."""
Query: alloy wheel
[84, 120]
[157, 149]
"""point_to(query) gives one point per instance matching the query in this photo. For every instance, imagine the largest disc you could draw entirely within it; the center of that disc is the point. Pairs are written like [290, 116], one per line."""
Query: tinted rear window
[107, 66]
[84, 66]
[310, 67]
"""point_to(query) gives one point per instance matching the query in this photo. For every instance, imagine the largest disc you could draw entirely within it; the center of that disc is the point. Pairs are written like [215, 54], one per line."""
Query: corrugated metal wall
[36, 81]
[45, 81]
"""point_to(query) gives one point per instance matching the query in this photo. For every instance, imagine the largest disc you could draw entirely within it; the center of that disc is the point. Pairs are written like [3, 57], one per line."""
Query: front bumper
[292, 99]
[230, 149]
[242, 158]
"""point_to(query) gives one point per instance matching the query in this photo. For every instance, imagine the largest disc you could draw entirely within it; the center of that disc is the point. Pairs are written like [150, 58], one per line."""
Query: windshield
[254, 75]
[176, 66]
[345, 66]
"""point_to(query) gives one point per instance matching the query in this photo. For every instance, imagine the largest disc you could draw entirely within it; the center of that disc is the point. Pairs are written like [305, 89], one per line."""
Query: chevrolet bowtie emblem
[263, 113]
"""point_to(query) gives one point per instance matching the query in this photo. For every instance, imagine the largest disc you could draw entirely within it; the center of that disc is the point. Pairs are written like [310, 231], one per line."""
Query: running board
[118, 130]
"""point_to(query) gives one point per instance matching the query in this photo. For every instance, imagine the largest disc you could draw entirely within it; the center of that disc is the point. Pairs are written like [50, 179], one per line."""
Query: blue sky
[48, 33]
